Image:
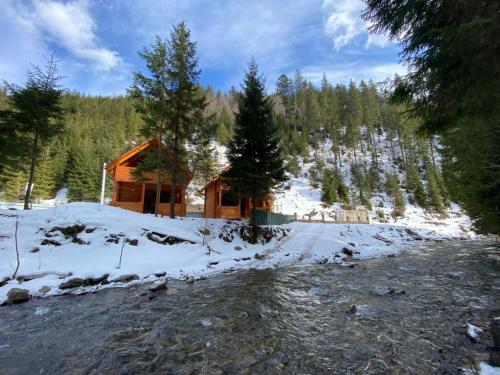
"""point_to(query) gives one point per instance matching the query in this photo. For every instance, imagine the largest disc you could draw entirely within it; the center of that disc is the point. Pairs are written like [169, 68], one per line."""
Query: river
[402, 315]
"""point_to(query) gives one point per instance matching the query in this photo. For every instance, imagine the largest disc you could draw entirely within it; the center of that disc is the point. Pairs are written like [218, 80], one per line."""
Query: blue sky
[96, 41]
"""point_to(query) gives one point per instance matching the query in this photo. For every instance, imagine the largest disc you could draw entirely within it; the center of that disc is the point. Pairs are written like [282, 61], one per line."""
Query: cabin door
[149, 201]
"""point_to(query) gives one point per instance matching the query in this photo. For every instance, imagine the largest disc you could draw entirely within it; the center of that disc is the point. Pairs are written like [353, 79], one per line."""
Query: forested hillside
[347, 140]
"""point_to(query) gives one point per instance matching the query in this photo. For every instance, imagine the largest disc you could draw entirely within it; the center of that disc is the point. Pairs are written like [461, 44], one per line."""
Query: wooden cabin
[141, 196]
[222, 204]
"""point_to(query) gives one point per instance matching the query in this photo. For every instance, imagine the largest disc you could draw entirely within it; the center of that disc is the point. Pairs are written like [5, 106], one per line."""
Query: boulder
[17, 295]
[96, 280]
[158, 286]
[4, 281]
[237, 248]
[259, 256]
[347, 251]
[125, 278]
[33, 276]
[160, 274]
[35, 250]
[133, 242]
[190, 280]
[72, 283]
[44, 289]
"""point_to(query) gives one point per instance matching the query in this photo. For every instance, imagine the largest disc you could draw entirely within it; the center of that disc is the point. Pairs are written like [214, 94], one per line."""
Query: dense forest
[351, 118]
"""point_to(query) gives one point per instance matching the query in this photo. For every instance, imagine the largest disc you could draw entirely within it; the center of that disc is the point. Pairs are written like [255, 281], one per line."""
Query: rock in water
[72, 283]
[158, 286]
[17, 295]
[190, 280]
[125, 278]
[160, 274]
[44, 289]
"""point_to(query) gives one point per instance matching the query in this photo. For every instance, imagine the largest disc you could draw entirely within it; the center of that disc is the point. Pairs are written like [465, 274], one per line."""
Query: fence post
[322, 217]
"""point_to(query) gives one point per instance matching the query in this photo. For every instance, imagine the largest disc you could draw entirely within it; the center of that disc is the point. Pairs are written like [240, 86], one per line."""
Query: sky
[96, 42]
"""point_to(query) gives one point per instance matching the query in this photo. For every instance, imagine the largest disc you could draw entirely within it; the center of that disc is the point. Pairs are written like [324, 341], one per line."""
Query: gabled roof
[223, 170]
[153, 142]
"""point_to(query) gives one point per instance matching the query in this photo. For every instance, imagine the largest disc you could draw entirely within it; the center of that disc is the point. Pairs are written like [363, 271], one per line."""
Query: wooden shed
[221, 203]
[141, 196]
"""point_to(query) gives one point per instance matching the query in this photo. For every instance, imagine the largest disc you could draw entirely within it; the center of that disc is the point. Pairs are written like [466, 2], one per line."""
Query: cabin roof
[223, 170]
[153, 142]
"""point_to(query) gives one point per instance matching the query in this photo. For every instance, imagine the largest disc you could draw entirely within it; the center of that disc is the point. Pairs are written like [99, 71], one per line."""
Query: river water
[402, 315]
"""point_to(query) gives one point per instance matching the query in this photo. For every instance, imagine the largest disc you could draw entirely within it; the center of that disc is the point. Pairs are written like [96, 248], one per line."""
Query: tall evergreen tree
[186, 100]
[255, 152]
[36, 114]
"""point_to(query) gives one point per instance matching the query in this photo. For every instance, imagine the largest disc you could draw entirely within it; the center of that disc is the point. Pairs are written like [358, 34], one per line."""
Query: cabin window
[165, 196]
[229, 199]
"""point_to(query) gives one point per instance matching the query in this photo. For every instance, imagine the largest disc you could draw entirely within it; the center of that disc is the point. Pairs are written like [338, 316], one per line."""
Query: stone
[246, 258]
[158, 286]
[44, 289]
[347, 251]
[213, 263]
[23, 278]
[259, 256]
[160, 274]
[35, 250]
[72, 283]
[96, 280]
[391, 255]
[237, 248]
[50, 242]
[4, 281]
[17, 295]
[386, 291]
[133, 242]
[125, 278]
[190, 280]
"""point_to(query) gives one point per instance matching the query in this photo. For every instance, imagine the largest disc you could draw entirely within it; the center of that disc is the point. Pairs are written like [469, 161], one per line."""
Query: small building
[141, 196]
[221, 203]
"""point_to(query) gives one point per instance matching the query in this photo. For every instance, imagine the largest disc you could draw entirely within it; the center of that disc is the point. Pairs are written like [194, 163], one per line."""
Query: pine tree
[393, 190]
[186, 101]
[255, 152]
[35, 113]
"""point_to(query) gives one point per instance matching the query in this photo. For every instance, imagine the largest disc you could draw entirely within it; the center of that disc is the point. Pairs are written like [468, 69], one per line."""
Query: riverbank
[81, 247]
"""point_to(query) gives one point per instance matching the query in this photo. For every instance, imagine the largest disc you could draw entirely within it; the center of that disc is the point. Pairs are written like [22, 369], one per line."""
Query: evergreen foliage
[452, 50]
[34, 115]
[255, 152]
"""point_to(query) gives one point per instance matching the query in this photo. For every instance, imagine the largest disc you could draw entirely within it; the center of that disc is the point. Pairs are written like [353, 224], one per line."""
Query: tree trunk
[432, 152]
[252, 217]
[173, 185]
[34, 148]
[158, 179]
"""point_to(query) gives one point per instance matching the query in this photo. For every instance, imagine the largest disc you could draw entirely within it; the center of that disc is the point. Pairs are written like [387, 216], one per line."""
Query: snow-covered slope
[85, 240]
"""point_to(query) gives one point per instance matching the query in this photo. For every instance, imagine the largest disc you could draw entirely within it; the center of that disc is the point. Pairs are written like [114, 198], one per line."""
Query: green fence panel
[271, 218]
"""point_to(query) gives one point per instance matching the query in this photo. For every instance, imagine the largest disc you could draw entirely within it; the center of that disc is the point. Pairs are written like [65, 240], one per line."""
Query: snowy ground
[50, 257]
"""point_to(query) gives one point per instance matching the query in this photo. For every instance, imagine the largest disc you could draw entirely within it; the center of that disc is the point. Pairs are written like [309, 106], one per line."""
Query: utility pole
[103, 182]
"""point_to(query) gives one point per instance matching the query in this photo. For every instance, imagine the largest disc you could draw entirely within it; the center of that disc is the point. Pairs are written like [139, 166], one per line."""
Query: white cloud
[343, 23]
[71, 25]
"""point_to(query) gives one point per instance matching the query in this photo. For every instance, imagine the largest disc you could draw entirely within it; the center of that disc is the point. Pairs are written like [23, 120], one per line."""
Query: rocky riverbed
[409, 313]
